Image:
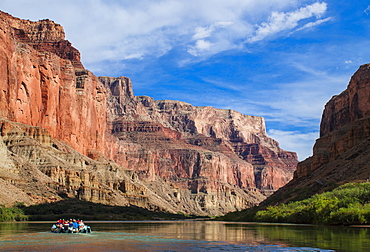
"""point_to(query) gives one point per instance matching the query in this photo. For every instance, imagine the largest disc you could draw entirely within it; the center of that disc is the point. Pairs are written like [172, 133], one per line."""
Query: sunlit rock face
[37, 168]
[42, 83]
[91, 138]
[341, 154]
[204, 150]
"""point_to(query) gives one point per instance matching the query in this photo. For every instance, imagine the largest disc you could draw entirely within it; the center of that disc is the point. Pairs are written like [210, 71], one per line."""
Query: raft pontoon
[67, 229]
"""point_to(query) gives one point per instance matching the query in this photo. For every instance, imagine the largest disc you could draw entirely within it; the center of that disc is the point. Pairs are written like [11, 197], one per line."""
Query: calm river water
[184, 236]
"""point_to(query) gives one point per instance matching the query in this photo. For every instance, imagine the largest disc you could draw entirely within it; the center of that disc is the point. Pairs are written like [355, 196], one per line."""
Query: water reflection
[338, 238]
[192, 235]
[12, 228]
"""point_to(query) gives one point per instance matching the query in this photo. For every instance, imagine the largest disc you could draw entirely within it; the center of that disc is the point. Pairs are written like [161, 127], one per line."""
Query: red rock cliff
[349, 106]
[198, 160]
[343, 123]
[341, 154]
[220, 145]
[43, 83]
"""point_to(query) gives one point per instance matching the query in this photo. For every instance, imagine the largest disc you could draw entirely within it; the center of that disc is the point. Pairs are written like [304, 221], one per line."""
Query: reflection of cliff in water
[12, 228]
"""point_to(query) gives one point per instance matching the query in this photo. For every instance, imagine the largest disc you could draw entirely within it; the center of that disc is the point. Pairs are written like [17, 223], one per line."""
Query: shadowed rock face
[352, 104]
[77, 132]
[341, 154]
[344, 123]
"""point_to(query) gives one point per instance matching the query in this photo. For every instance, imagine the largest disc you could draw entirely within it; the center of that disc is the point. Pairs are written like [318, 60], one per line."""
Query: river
[184, 236]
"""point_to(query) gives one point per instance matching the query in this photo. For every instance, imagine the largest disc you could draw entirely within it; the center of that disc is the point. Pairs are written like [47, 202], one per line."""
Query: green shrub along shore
[12, 214]
[348, 204]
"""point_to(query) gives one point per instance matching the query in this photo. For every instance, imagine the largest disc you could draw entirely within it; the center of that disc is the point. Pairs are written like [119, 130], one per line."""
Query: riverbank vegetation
[348, 204]
[12, 214]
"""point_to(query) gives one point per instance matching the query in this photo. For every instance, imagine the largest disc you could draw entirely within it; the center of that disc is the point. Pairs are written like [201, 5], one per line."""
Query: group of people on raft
[70, 226]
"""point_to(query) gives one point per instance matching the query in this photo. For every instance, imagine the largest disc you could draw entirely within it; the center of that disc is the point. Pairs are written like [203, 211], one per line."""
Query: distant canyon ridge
[68, 133]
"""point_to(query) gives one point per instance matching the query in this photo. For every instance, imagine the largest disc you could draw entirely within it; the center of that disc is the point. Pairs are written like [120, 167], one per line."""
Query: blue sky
[280, 59]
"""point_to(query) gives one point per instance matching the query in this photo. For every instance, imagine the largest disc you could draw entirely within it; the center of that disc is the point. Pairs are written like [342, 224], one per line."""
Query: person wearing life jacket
[81, 225]
[57, 227]
[75, 225]
[54, 228]
[65, 225]
[70, 226]
[60, 223]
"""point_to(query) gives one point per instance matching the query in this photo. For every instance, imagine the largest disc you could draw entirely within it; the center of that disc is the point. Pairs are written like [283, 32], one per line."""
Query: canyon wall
[341, 154]
[78, 135]
[43, 83]
[344, 124]
[159, 126]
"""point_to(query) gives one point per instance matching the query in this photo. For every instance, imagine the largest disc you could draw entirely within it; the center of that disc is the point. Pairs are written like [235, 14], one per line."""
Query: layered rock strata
[209, 152]
[42, 84]
[341, 154]
[37, 168]
[75, 132]
[344, 123]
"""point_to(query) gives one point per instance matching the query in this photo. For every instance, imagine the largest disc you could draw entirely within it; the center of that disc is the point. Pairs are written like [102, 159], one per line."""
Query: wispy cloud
[114, 36]
[121, 30]
[200, 46]
[313, 24]
[299, 142]
[367, 10]
[202, 33]
[280, 21]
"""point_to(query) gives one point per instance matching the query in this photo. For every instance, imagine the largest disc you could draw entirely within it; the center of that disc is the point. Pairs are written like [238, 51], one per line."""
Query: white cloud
[313, 24]
[200, 46]
[301, 143]
[298, 102]
[367, 10]
[280, 21]
[204, 32]
[119, 30]
[302, 101]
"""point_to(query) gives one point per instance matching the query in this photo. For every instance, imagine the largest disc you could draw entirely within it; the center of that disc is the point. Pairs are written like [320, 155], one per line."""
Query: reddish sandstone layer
[171, 136]
[42, 84]
[36, 168]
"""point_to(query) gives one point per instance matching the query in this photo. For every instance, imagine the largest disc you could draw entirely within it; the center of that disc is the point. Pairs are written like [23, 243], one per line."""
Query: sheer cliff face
[351, 105]
[42, 83]
[344, 123]
[341, 154]
[165, 155]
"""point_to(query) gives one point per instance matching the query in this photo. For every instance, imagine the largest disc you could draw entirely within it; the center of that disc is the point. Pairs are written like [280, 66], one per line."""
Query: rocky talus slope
[67, 133]
[342, 153]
